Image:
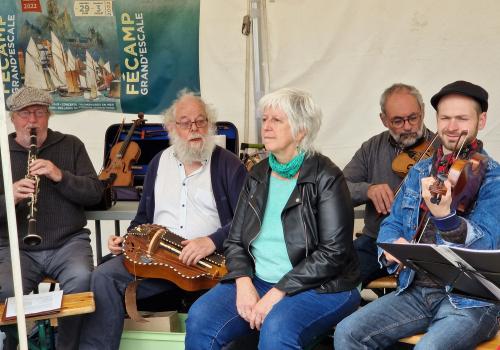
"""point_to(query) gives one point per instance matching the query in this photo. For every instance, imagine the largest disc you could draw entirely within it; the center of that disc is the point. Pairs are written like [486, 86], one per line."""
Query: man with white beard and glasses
[191, 188]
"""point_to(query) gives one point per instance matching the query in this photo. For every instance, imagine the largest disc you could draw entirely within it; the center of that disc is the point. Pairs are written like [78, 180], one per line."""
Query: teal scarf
[289, 169]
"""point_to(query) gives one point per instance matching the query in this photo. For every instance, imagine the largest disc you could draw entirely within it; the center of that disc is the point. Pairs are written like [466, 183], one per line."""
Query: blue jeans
[416, 310]
[292, 323]
[367, 250]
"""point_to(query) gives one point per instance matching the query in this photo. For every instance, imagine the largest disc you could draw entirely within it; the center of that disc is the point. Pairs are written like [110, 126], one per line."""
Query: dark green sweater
[60, 206]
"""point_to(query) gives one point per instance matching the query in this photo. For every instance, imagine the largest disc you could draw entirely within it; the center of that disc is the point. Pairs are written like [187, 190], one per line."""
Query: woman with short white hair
[292, 267]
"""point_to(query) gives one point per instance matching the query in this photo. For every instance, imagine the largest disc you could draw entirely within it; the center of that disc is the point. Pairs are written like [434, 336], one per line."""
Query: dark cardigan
[228, 175]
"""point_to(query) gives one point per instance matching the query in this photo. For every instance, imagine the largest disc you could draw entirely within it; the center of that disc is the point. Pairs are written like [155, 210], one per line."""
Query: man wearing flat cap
[67, 182]
[421, 304]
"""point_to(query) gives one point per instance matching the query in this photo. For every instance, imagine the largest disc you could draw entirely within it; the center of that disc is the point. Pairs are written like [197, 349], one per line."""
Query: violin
[466, 177]
[118, 169]
[408, 157]
[153, 251]
[403, 162]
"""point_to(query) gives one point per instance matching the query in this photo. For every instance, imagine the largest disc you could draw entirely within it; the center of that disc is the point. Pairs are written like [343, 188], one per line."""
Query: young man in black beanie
[421, 304]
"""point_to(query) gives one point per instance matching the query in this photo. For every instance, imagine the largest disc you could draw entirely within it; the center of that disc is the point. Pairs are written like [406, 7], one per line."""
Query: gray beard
[407, 139]
[187, 153]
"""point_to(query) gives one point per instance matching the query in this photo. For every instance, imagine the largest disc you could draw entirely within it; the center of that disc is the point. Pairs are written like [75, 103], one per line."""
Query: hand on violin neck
[442, 207]
[382, 197]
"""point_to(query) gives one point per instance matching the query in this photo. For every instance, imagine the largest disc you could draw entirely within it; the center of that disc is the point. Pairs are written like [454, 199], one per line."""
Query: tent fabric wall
[347, 52]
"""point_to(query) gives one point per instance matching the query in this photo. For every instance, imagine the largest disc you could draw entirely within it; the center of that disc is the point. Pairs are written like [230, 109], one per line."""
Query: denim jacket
[483, 221]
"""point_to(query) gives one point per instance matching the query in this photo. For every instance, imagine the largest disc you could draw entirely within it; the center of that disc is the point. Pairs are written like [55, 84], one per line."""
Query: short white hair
[302, 112]
[169, 113]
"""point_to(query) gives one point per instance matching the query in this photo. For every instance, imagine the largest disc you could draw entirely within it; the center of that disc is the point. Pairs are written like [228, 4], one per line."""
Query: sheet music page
[456, 260]
[35, 304]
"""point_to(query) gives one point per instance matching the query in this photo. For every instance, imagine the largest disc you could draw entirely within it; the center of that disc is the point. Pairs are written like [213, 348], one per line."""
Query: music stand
[472, 273]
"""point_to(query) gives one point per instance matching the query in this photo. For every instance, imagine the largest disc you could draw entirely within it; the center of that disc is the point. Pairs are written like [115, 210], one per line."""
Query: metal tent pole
[258, 79]
[12, 223]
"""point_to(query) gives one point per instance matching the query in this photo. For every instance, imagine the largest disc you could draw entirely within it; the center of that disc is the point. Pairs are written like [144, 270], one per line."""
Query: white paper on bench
[35, 303]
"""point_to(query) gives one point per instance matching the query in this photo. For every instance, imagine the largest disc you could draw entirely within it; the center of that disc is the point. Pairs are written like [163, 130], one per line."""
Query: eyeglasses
[38, 113]
[399, 122]
[187, 125]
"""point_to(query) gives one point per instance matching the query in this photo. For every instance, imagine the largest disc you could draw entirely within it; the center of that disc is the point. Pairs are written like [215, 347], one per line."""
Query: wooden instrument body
[466, 177]
[120, 165]
[403, 162]
[118, 171]
[148, 251]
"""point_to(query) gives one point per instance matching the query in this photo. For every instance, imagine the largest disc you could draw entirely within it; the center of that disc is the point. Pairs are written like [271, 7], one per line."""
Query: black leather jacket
[317, 223]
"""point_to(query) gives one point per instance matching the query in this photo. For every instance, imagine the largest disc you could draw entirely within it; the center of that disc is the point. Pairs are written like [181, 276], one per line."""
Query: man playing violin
[66, 183]
[191, 188]
[369, 174]
[420, 304]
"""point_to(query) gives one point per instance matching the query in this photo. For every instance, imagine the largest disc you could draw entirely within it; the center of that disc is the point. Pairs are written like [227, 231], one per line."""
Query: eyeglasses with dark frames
[186, 125]
[412, 119]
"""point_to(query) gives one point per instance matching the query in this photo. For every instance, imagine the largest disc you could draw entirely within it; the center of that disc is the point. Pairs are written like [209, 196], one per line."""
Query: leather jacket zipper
[253, 239]
[303, 222]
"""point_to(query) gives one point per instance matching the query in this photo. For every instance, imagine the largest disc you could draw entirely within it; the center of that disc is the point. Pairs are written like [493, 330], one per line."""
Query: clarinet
[32, 238]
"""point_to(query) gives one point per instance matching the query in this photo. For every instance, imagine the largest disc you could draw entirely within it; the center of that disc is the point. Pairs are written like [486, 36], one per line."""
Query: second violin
[118, 170]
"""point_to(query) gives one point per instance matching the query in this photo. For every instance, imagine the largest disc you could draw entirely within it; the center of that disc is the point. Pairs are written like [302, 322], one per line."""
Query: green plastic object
[133, 340]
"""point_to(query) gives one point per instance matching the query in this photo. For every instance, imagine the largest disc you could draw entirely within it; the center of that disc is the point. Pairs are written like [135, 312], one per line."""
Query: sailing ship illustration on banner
[50, 67]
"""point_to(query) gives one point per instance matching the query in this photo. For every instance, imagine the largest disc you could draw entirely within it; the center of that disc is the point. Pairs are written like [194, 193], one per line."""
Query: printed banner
[114, 55]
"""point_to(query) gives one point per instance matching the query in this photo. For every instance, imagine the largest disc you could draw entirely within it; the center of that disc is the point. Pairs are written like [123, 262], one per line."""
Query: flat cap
[28, 96]
[465, 88]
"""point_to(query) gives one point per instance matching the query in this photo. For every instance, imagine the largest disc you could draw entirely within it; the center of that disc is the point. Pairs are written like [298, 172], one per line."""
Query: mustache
[196, 136]
[408, 134]
[455, 134]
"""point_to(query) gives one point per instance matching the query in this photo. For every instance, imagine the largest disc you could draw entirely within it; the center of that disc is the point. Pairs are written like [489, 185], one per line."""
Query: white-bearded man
[191, 188]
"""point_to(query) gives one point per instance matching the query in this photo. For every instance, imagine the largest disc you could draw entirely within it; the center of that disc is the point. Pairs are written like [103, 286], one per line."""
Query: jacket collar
[307, 173]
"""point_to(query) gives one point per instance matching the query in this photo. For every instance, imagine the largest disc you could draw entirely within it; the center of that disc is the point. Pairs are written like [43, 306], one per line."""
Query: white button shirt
[185, 204]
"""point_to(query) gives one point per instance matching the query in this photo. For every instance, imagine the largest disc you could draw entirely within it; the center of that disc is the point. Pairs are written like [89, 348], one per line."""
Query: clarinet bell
[32, 239]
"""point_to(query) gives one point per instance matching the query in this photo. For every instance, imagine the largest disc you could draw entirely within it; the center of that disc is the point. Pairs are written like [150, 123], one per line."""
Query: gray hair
[169, 113]
[302, 112]
[400, 87]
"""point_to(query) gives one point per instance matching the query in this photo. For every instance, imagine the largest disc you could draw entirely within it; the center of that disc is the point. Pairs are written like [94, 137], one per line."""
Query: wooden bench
[72, 304]
[381, 286]
[492, 344]
[387, 282]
